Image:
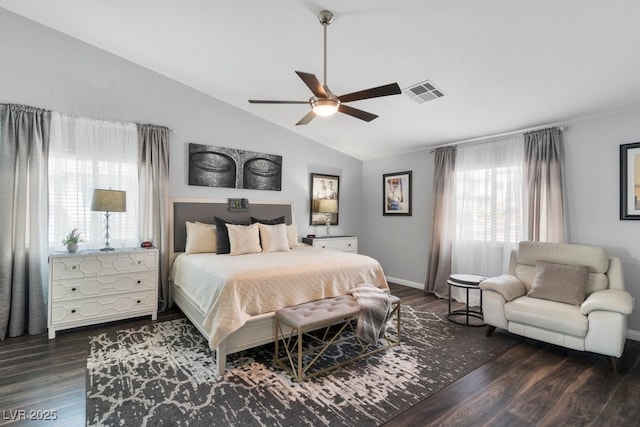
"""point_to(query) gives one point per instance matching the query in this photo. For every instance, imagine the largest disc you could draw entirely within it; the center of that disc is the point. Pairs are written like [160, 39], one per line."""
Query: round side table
[468, 282]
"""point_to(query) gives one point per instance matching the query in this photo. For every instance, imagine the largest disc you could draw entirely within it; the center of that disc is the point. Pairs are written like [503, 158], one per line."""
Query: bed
[231, 299]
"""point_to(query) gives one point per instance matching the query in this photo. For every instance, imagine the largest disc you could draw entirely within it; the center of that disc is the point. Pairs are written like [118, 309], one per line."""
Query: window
[85, 154]
[489, 211]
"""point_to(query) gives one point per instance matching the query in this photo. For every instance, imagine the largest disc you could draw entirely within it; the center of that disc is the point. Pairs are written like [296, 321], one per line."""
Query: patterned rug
[164, 374]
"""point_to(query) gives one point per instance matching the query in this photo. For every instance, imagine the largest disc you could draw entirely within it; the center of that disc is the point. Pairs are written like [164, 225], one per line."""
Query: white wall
[400, 243]
[592, 190]
[47, 69]
[592, 176]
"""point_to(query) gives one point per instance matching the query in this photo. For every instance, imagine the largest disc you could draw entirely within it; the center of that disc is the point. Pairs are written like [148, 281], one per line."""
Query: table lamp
[328, 207]
[108, 201]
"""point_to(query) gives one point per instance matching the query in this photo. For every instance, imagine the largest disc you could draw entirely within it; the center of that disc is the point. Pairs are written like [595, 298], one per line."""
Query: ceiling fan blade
[358, 114]
[313, 83]
[306, 119]
[375, 92]
[267, 101]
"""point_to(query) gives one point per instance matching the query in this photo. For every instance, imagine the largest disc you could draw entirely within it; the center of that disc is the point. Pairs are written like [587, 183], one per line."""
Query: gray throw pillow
[272, 221]
[222, 233]
[559, 282]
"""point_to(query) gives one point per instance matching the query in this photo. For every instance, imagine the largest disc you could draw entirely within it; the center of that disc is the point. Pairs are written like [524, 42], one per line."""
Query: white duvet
[231, 289]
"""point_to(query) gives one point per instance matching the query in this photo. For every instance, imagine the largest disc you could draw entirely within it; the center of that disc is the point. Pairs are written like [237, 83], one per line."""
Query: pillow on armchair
[559, 282]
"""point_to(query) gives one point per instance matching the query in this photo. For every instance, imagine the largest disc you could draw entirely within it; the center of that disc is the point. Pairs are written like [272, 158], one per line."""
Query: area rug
[164, 374]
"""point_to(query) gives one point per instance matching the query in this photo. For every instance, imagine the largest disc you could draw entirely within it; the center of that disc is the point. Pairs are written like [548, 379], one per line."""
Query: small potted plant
[71, 240]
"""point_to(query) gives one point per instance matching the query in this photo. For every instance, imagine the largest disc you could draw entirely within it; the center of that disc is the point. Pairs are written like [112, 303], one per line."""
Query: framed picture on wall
[396, 193]
[630, 181]
[324, 198]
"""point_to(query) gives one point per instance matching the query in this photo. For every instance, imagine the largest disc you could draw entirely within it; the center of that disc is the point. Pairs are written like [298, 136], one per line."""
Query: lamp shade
[109, 201]
[328, 206]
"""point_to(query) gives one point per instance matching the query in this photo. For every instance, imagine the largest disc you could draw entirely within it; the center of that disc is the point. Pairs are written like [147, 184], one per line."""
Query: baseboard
[633, 335]
[403, 282]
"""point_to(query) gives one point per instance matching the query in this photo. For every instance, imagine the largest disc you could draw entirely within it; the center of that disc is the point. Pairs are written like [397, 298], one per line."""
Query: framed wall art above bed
[233, 168]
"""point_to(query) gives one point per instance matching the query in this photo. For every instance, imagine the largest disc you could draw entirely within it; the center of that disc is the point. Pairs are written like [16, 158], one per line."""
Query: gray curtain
[543, 177]
[442, 229]
[24, 145]
[153, 177]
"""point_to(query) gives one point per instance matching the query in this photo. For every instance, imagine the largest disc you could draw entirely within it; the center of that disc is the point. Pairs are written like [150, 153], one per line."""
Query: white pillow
[244, 239]
[274, 237]
[292, 235]
[200, 238]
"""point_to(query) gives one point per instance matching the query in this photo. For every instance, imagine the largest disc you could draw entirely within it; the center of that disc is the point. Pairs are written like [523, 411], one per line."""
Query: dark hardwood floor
[531, 384]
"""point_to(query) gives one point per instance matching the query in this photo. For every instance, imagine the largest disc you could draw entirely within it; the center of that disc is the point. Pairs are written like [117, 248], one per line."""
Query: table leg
[467, 306]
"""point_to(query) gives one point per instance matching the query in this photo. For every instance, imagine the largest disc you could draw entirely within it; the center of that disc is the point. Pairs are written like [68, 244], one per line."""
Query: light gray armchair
[564, 294]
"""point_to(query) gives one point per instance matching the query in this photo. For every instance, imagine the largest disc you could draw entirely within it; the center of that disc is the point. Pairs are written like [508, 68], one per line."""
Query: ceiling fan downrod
[324, 102]
[326, 18]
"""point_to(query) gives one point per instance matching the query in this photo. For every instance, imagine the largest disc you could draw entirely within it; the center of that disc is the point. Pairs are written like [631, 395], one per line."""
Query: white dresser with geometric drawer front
[90, 287]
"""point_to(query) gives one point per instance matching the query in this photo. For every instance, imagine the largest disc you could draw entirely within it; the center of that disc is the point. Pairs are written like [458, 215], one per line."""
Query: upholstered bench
[334, 315]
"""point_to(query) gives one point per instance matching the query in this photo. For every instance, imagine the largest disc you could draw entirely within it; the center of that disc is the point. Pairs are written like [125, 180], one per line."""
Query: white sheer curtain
[85, 154]
[490, 216]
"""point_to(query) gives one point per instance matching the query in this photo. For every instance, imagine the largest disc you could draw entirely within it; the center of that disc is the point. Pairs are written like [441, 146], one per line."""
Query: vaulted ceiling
[502, 65]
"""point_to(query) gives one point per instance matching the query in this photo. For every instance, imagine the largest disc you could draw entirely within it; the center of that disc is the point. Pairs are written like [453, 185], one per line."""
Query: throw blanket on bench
[375, 310]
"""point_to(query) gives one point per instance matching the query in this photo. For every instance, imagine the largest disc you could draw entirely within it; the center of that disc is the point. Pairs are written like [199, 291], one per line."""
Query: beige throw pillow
[274, 238]
[292, 235]
[559, 282]
[244, 239]
[201, 238]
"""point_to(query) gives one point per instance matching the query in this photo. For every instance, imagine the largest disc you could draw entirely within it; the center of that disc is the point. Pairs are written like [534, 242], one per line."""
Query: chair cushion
[559, 282]
[564, 253]
[550, 315]
[595, 258]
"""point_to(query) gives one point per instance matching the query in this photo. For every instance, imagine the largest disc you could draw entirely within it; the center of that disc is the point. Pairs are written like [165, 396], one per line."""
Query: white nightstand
[91, 287]
[336, 243]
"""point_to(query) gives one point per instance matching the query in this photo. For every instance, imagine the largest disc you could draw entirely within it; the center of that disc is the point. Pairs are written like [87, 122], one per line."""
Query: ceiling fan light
[325, 107]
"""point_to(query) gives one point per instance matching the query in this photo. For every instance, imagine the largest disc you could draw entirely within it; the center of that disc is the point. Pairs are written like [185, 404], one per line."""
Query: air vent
[423, 92]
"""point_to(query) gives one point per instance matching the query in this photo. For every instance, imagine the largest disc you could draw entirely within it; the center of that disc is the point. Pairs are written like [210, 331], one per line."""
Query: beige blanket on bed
[231, 289]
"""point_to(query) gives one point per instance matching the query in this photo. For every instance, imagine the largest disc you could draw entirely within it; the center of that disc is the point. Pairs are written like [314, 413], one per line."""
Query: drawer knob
[323, 246]
[349, 244]
[139, 262]
[73, 311]
[139, 281]
[138, 301]
[74, 267]
[73, 289]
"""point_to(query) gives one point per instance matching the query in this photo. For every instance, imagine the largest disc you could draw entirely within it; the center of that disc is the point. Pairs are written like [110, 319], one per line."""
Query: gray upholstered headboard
[203, 210]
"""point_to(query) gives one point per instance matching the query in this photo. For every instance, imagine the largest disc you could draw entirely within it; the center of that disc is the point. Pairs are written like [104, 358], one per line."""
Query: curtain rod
[561, 126]
[78, 116]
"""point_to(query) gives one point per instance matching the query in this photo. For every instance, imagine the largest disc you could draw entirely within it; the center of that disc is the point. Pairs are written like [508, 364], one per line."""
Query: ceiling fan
[324, 102]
